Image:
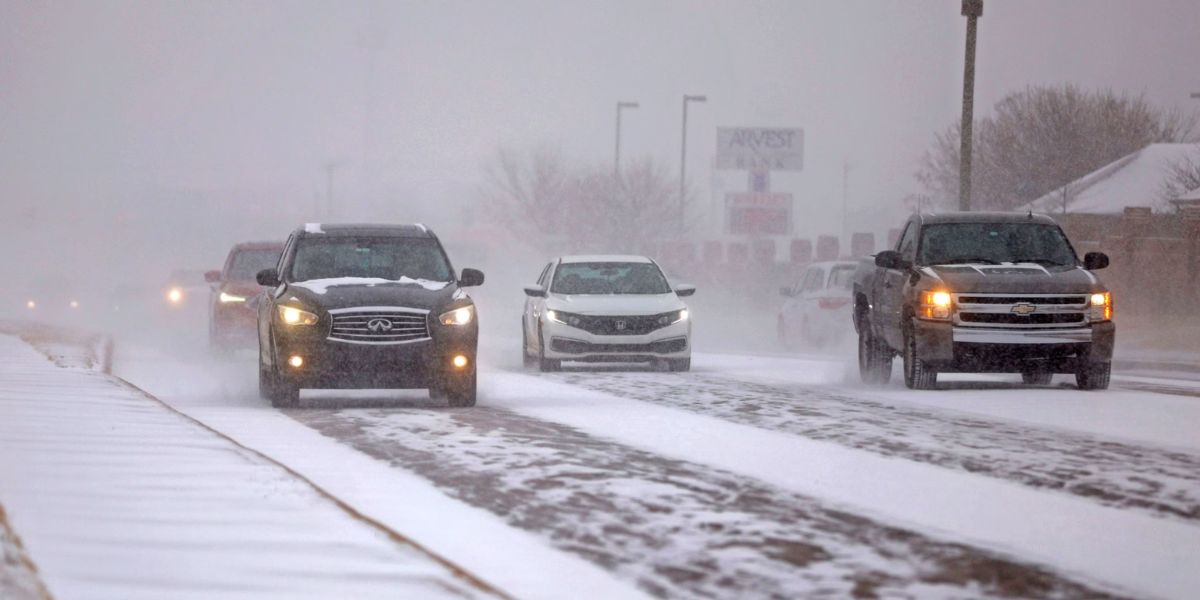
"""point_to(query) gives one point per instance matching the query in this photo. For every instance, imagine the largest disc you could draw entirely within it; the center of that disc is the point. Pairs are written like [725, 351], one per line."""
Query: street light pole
[972, 10]
[683, 158]
[617, 159]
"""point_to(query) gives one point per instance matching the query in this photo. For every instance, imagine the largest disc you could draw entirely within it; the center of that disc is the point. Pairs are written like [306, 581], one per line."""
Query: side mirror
[1093, 261]
[684, 289]
[212, 276]
[786, 292]
[535, 291]
[267, 277]
[470, 278]
[890, 259]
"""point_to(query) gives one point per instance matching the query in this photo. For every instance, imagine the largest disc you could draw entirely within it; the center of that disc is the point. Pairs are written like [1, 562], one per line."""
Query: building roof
[1133, 180]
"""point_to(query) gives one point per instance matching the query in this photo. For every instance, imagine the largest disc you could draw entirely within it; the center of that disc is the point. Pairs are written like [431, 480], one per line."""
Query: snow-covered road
[753, 476]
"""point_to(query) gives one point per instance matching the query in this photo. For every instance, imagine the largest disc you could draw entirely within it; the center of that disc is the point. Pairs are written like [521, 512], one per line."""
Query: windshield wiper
[967, 259]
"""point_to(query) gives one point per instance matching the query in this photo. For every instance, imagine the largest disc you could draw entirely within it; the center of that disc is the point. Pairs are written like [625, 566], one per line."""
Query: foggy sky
[232, 108]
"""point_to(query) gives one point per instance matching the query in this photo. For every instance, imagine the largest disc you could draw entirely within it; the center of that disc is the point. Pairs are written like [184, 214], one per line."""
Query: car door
[534, 307]
[891, 298]
[814, 284]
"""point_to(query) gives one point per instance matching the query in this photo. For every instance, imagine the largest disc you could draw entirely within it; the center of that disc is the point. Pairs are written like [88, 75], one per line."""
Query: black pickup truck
[983, 293]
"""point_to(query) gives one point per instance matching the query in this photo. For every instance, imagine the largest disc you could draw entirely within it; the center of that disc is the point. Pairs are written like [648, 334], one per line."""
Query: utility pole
[683, 158]
[617, 158]
[972, 10]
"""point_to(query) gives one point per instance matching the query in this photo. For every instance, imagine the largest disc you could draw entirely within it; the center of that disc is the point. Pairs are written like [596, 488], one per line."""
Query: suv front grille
[1032, 311]
[379, 325]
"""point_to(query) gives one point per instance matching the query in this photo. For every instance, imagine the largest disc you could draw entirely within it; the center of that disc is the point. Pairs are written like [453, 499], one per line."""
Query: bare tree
[1041, 138]
[543, 201]
[1183, 176]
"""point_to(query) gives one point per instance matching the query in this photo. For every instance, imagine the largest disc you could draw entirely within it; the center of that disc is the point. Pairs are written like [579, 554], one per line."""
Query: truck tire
[1036, 377]
[1093, 376]
[874, 359]
[918, 374]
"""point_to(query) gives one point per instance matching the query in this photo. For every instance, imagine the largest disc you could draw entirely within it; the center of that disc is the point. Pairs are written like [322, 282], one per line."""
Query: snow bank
[18, 576]
[117, 496]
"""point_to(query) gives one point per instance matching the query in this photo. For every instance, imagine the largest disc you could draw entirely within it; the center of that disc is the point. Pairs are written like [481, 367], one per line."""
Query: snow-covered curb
[118, 495]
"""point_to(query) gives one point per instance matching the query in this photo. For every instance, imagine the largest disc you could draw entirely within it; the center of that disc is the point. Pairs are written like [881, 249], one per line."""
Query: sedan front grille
[620, 325]
[379, 325]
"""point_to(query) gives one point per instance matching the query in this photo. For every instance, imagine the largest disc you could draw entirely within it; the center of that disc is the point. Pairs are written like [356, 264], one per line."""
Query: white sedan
[606, 309]
[817, 309]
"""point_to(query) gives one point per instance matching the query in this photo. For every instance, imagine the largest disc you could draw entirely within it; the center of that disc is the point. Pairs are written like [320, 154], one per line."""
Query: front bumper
[564, 342]
[952, 348]
[331, 363]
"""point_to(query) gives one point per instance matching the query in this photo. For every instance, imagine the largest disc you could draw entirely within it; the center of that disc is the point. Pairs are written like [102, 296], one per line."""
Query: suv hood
[349, 292]
[1023, 278]
[615, 304]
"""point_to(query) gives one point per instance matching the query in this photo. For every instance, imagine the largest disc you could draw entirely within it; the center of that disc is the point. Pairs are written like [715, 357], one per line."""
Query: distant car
[233, 311]
[367, 306]
[59, 302]
[606, 309]
[185, 288]
[818, 304]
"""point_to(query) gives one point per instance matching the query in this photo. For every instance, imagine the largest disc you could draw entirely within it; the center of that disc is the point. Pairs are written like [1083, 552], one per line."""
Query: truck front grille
[1032, 311]
[379, 325]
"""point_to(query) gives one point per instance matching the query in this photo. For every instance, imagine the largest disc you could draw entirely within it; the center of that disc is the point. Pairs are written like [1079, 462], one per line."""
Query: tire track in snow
[1158, 481]
[675, 528]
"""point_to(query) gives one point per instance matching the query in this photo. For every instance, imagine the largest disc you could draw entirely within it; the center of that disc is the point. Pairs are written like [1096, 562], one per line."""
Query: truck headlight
[458, 316]
[935, 304]
[295, 316]
[1101, 307]
[227, 298]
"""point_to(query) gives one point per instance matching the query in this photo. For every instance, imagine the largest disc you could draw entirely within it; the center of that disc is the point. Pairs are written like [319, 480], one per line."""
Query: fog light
[296, 361]
[460, 361]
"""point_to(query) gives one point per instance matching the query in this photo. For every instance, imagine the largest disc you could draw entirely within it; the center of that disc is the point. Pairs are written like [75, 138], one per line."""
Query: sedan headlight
[565, 318]
[295, 316]
[226, 298]
[672, 318]
[458, 316]
[1101, 307]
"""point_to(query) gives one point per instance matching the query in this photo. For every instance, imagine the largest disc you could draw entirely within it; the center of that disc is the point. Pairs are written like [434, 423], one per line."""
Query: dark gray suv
[366, 306]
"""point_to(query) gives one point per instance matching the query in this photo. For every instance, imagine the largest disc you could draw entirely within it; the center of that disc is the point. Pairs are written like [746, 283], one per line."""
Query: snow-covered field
[766, 476]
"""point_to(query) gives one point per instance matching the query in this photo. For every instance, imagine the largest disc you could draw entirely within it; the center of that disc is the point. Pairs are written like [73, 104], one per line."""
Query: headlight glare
[294, 316]
[226, 298]
[555, 316]
[458, 316]
[935, 304]
[1101, 307]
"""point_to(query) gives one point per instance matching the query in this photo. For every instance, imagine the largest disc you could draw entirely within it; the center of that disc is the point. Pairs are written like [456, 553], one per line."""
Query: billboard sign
[752, 213]
[767, 148]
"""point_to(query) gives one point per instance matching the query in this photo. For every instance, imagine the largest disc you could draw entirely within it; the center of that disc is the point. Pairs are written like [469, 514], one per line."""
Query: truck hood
[615, 304]
[349, 292]
[1022, 278]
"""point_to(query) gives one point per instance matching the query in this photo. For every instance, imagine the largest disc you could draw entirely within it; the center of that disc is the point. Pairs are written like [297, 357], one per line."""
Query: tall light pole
[972, 10]
[683, 158]
[617, 160]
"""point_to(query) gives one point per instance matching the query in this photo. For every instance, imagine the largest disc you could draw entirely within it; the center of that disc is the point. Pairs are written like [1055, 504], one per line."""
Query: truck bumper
[983, 350]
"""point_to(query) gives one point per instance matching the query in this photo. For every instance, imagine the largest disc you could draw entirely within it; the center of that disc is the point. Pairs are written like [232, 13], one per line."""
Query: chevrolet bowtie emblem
[1024, 309]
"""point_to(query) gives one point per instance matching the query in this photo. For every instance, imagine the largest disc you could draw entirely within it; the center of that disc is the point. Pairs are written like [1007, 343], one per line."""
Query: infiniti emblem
[379, 325]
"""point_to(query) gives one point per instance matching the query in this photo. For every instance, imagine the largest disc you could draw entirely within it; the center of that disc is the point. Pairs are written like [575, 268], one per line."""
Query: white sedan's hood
[615, 304]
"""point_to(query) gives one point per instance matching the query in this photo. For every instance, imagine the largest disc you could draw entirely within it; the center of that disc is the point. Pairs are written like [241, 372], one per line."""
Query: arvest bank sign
[772, 149]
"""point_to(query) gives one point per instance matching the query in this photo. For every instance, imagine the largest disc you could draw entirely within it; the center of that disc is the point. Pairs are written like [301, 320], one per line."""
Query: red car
[233, 316]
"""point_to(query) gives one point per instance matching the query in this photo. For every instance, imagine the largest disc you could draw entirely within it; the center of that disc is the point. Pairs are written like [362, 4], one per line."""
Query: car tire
[1094, 376]
[679, 364]
[1037, 377]
[461, 394]
[874, 359]
[918, 374]
[546, 365]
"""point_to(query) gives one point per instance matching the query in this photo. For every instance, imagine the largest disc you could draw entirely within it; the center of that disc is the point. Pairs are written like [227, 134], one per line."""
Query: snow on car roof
[610, 258]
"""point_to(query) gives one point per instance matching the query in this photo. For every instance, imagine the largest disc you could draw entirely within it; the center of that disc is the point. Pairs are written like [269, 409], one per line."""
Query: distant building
[1133, 180]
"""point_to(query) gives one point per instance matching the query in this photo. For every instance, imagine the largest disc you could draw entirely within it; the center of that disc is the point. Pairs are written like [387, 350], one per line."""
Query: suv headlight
[226, 298]
[672, 318]
[458, 316]
[294, 316]
[1101, 307]
[935, 304]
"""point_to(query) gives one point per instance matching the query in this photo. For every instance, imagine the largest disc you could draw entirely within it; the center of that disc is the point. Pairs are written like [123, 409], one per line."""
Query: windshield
[330, 257]
[247, 263]
[609, 278]
[994, 243]
[841, 277]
